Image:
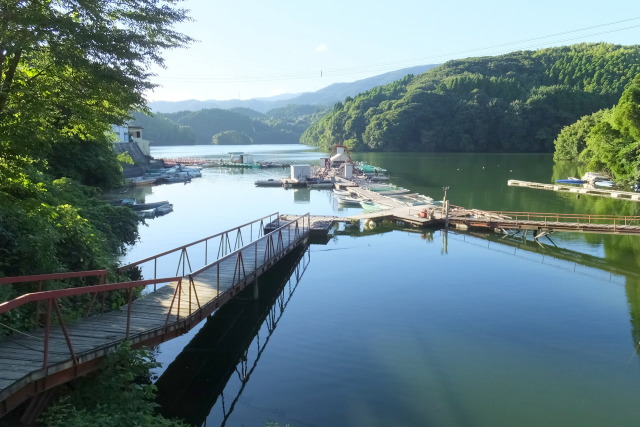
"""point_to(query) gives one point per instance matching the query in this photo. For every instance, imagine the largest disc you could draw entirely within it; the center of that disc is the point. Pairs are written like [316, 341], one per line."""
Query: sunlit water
[426, 328]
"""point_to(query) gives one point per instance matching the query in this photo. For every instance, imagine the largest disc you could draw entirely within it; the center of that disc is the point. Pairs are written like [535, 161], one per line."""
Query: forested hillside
[516, 102]
[607, 140]
[279, 126]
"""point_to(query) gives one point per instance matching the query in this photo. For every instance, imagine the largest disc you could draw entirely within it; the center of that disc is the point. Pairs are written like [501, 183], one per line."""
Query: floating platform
[568, 188]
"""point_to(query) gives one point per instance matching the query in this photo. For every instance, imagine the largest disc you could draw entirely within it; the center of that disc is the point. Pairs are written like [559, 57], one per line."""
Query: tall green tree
[613, 144]
[68, 70]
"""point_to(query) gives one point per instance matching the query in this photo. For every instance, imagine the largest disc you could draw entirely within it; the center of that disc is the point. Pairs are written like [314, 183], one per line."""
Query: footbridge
[543, 223]
[208, 273]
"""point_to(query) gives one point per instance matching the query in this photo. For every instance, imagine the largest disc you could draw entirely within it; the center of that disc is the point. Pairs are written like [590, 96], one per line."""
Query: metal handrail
[240, 269]
[206, 239]
[52, 297]
[562, 217]
[52, 276]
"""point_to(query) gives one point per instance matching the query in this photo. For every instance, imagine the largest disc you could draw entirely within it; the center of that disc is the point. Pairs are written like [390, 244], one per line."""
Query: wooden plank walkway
[568, 188]
[156, 317]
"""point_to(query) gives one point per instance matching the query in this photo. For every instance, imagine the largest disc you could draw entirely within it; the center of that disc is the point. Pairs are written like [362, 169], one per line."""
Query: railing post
[47, 334]
[126, 335]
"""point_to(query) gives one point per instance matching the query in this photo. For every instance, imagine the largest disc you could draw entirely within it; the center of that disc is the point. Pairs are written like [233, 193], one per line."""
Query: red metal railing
[226, 242]
[274, 246]
[52, 298]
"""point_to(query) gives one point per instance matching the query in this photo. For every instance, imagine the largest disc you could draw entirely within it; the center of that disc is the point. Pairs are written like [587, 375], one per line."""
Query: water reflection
[210, 374]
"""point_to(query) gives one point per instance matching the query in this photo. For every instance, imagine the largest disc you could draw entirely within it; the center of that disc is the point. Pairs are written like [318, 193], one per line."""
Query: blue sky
[260, 48]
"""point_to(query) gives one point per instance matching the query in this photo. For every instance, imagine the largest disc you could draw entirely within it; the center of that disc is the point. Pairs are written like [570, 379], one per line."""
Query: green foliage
[511, 103]
[573, 138]
[68, 71]
[608, 140]
[120, 394]
[49, 225]
[231, 137]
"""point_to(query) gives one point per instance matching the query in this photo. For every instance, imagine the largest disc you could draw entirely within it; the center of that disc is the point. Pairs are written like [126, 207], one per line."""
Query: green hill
[279, 126]
[516, 102]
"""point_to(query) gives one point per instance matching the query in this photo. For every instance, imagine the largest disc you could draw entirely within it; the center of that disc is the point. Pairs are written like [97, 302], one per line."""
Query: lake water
[409, 327]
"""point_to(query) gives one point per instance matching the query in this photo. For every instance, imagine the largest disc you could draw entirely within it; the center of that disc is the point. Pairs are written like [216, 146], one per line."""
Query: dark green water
[409, 328]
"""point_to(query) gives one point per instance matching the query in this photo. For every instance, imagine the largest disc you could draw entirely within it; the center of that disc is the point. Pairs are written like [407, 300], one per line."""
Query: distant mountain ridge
[329, 95]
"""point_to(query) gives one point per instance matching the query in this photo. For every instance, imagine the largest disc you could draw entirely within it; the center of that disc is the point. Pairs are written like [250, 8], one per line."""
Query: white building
[132, 134]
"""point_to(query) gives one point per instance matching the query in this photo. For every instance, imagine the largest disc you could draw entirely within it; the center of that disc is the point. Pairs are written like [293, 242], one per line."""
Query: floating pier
[569, 188]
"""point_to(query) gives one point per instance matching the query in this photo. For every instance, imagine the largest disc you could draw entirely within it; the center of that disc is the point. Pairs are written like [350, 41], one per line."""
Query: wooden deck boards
[21, 356]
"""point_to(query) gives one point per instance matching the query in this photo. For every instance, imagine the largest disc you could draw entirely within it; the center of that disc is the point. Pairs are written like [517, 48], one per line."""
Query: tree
[231, 137]
[70, 68]
[613, 143]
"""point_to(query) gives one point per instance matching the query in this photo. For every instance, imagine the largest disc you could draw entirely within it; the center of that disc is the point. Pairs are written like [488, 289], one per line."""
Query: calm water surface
[412, 328]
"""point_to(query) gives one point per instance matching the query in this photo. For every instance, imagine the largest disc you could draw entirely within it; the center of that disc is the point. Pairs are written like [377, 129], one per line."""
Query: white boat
[604, 183]
[352, 201]
[592, 177]
[338, 192]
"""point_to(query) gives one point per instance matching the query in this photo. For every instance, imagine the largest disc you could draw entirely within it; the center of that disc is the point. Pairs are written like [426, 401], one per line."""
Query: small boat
[604, 183]
[140, 182]
[398, 192]
[268, 182]
[339, 192]
[371, 206]
[164, 209]
[174, 179]
[147, 213]
[571, 180]
[320, 183]
[146, 206]
[352, 201]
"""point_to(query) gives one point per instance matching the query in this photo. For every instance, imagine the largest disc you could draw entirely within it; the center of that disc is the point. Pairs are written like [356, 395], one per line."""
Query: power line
[380, 67]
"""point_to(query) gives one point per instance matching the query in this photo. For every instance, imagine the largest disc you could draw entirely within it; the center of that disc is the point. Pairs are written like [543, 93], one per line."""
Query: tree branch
[7, 81]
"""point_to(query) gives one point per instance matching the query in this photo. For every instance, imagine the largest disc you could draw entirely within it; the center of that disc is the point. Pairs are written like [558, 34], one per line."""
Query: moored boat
[604, 183]
[571, 180]
[164, 209]
[268, 182]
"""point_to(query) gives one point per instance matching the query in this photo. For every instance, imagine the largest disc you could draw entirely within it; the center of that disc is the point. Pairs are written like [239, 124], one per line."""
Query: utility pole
[445, 207]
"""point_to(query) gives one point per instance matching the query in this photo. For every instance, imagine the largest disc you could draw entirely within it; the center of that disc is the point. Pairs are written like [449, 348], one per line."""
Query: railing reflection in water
[210, 374]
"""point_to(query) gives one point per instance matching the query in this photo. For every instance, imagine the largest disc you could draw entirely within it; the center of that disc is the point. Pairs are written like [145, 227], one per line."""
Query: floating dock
[569, 188]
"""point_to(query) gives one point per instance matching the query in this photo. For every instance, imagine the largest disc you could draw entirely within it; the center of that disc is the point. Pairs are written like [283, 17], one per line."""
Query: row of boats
[175, 174]
[145, 210]
[397, 195]
[591, 178]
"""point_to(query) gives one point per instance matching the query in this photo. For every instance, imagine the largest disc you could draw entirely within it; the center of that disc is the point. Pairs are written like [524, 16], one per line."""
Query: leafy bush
[119, 394]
